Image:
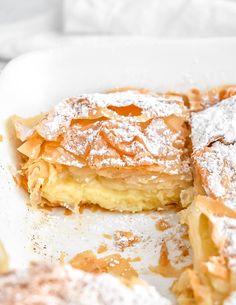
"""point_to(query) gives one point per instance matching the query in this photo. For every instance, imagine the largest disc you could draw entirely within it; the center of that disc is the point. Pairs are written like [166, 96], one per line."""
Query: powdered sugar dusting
[223, 234]
[217, 165]
[97, 105]
[64, 285]
[110, 139]
[216, 122]
[114, 143]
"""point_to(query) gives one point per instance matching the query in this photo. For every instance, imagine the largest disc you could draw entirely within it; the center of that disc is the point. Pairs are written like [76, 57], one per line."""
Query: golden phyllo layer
[212, 216]
[124, 151]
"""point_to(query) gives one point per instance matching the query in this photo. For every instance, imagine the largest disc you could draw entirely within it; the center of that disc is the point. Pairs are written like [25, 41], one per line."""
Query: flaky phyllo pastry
[123, 151]
[212, 215]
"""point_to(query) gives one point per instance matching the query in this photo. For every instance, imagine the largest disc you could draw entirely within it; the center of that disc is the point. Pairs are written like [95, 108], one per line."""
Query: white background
[34, 24]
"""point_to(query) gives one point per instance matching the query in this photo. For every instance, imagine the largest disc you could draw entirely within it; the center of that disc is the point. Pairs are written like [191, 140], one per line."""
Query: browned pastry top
[120, 130]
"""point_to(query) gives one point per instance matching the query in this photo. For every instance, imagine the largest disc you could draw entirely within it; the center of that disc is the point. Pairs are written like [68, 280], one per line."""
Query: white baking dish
[34, 82]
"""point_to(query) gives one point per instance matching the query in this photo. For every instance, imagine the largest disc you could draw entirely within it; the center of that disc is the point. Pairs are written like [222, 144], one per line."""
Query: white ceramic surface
[34, 82]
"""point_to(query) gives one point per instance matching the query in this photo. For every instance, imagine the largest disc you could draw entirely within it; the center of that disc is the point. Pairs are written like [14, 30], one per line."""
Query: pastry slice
[123, 151]
[211, 218]
[42, 284]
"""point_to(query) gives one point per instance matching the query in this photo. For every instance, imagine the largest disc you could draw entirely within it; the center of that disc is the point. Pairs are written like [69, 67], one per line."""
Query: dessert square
[123, 151]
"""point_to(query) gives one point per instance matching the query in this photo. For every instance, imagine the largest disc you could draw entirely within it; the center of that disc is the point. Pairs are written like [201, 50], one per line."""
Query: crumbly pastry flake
[114, 264]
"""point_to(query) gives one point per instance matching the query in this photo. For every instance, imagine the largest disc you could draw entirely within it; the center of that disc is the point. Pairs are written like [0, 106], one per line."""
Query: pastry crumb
[125, 239]
[114, 264]
[102, 248]
[162, 225]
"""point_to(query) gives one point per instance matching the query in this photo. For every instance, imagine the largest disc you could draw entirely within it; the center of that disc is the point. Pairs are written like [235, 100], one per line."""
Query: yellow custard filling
[126, 192]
